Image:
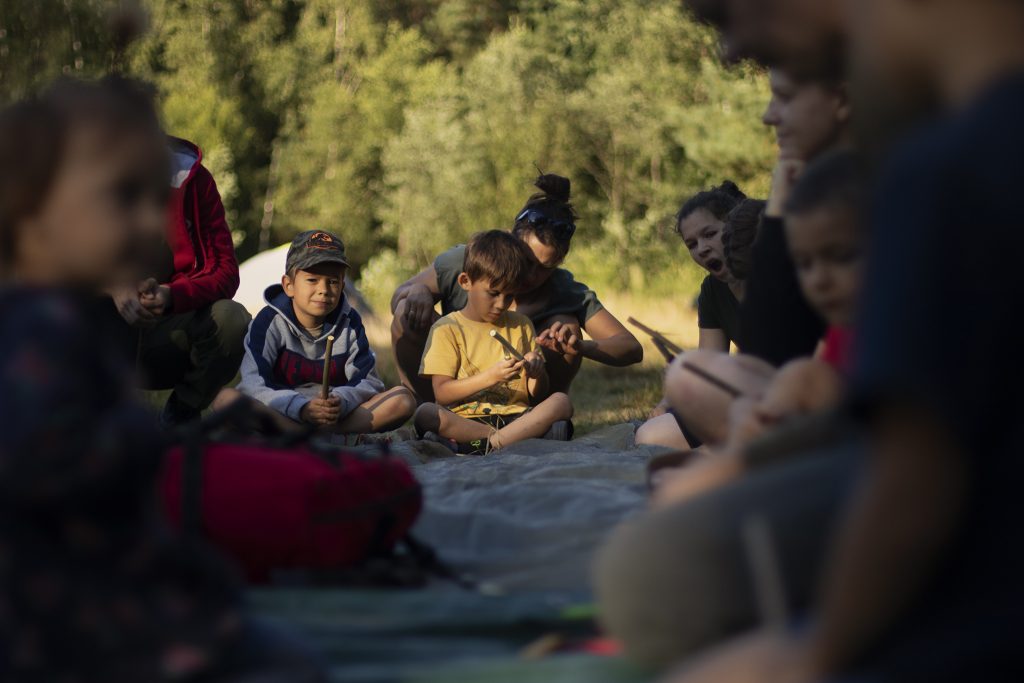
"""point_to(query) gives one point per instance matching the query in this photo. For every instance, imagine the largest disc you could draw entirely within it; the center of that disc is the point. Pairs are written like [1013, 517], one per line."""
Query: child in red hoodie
[189, 333]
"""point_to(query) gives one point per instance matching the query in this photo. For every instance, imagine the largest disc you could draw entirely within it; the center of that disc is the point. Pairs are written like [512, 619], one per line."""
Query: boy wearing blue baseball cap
[287, 346]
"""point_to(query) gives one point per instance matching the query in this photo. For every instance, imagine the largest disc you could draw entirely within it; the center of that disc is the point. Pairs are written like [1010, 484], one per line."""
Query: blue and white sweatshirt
[284, 365]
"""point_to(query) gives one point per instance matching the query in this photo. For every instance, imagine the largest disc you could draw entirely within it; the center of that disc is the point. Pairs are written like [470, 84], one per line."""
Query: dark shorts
[499, 421]
[690, 437]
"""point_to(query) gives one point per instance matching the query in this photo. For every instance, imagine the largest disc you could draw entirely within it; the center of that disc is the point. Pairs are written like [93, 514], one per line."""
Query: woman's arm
[420, 294]
[610, 342]
[713, 340]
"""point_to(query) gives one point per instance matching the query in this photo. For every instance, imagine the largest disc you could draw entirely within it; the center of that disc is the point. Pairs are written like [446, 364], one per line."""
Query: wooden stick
[712, 380]
[665, 351]
[769, 591]
[325, 390]
[657, 336]
[513, 351]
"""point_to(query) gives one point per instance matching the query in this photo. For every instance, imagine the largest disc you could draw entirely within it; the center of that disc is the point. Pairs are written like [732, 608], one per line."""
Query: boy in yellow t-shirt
[484, 393]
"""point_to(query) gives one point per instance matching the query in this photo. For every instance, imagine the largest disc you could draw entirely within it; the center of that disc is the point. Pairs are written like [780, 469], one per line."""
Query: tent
[265, 269]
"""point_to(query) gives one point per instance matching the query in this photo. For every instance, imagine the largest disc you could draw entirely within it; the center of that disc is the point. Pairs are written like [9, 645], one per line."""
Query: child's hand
[322, 412]
[505, 371]
[154, 297]
[533, 364]
[129, 305]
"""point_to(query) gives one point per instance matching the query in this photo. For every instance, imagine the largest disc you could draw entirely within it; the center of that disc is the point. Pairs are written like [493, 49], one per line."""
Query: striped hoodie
[284, 365]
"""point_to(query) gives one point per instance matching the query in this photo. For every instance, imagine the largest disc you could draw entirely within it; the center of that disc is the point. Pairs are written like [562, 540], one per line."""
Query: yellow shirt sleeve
[441, 355]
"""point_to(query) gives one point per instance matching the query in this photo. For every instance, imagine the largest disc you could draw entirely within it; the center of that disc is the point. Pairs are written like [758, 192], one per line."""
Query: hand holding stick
[513, 351]
[325, 390]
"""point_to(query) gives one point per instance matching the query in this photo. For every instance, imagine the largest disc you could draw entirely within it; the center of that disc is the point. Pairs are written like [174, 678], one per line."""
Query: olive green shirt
[564, 295]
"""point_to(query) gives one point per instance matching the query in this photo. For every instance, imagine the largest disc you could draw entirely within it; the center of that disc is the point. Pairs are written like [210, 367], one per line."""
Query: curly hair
[718, 201]
[741, 228]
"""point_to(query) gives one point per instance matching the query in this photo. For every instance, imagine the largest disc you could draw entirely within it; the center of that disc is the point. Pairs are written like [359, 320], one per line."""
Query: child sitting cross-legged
[825, 236]
[286, 348]
[487, 396]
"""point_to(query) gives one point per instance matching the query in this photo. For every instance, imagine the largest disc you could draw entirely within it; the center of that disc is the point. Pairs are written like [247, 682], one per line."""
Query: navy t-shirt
[937, 332]
[777, 324]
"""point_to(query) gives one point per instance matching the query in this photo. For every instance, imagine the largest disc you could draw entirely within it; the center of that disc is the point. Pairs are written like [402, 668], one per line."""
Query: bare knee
[428, 418]
[403, 403]
[662, 431]
[683, 387]
[562, 406]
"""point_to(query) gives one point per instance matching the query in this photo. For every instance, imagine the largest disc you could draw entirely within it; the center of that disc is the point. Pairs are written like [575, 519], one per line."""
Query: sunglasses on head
[563, 230]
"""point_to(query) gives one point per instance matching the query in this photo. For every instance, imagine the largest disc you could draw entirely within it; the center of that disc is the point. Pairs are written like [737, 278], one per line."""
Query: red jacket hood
[185, 159]
[205, 268]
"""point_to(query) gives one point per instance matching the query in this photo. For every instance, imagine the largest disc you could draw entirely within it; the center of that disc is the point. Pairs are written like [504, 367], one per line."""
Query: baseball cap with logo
[313, 247]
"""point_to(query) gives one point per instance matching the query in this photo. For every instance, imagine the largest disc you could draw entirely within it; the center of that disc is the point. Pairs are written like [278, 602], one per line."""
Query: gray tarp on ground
[525, 523]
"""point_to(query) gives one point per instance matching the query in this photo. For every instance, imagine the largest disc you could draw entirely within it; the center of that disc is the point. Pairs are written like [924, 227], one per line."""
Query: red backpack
[275, 506]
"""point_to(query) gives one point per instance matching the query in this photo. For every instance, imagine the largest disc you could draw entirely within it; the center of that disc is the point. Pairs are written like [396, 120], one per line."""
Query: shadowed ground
[524, 523]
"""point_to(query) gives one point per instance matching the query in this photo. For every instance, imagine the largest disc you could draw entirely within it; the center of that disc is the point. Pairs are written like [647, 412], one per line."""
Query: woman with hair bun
[560, 307]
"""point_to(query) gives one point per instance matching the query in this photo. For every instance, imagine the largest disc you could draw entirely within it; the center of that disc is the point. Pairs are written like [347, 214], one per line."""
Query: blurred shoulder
[41, 312]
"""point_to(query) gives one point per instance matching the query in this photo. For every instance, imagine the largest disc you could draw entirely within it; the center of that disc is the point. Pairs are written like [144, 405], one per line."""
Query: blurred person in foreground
[776, 324]
[675, 580]
[804, 37]
[925, 581]
[93, 588]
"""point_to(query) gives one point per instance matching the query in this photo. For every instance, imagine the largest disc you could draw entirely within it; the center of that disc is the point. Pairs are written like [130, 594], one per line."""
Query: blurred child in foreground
[93, 589]
[825, 236]
[925, 582]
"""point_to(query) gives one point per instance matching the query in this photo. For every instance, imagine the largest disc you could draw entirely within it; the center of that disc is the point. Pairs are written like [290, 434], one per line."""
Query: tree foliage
[407, 125]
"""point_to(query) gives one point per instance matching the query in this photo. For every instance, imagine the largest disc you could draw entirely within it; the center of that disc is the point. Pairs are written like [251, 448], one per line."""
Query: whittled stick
[664, 350]
[513, 351]
[325, 390]
[673, 348]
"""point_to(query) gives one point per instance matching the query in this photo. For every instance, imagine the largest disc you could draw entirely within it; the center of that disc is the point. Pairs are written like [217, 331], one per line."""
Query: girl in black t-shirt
[718, 227]
[701, 224]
